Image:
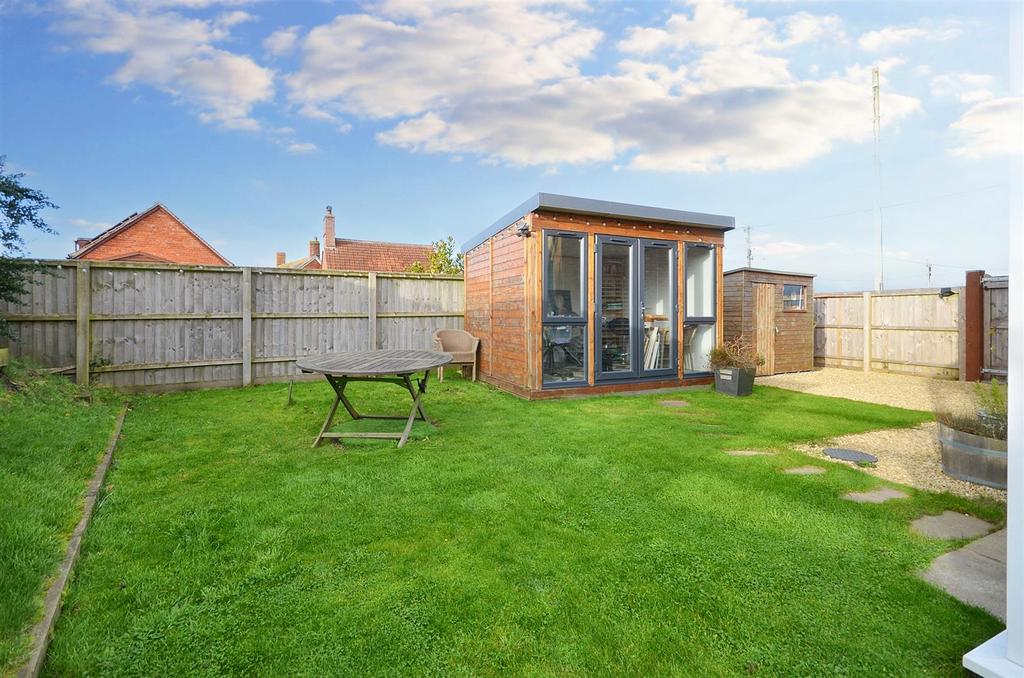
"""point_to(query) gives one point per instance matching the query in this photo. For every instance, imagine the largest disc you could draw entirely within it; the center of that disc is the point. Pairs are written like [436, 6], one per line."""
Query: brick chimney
[314, 248]
[280, 258]
[329, 228]
[82, 242]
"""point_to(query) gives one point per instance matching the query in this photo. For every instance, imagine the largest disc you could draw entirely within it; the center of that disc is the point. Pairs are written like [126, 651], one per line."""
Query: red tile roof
[370, 255]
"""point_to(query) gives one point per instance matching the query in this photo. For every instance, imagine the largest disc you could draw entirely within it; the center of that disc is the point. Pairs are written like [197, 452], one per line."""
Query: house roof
[602, 208]
[768, 270]
[300, 263]
[127, 222]
[371, 255]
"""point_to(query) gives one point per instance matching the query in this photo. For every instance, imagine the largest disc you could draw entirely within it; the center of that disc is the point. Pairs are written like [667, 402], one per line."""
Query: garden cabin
[772, 311]
[575, 296]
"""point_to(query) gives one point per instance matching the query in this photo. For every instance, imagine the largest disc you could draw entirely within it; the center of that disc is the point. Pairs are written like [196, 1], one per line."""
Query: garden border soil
[55, 594]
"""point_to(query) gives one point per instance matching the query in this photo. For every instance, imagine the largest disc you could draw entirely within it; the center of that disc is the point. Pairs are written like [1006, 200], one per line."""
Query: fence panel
[996, 303]
[164, 327]
[906, 331]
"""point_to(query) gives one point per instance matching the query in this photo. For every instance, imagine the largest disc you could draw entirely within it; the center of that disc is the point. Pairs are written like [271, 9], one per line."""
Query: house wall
[794, 341]
[160, 236]
[504, 299]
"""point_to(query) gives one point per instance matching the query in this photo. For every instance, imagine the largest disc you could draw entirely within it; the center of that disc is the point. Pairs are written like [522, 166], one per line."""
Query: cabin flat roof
[601, 208]
[768, 270]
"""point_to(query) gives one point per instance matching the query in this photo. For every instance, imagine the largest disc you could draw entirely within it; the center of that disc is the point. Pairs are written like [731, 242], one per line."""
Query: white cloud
[87, 226]
[706, 90]
[175, 54]
[282, 41]
[384, 66]
[968, 88]
[990, 128]
[788, 248]
[889, 37]
[301, 147]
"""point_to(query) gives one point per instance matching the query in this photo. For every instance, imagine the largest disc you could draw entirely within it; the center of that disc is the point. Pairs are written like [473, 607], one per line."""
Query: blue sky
[418, 120]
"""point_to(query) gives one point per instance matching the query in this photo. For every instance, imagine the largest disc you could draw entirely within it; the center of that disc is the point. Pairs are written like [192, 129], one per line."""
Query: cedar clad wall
[495, 307]
[794, 341]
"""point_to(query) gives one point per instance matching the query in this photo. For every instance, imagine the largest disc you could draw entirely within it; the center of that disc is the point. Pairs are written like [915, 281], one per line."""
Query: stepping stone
[674, 403]
[974, 574]
[951, 525]
[850, 455]
[804, 470]
[876, 496]
[747, 453]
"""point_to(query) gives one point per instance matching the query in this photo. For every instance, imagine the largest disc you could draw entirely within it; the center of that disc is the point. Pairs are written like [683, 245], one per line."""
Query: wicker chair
[461, 344]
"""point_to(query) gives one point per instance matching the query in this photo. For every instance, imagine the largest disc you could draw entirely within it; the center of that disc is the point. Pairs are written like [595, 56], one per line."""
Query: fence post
[371, 313]
[973, 325]
[867, 331]
[246, 326]
[83, 308]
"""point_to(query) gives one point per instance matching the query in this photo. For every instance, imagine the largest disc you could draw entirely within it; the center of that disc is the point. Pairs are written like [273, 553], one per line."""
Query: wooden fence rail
[926, 332]
[144, 327]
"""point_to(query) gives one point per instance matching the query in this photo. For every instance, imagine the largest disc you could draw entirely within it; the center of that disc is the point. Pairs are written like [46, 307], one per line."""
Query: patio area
[607, 535]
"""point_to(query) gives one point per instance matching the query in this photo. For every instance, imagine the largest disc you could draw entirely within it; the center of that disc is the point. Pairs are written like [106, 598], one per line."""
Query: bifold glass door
[635, 308]
[616, 316]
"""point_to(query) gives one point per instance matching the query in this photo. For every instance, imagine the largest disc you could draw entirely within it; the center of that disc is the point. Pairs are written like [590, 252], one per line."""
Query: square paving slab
[748, 453]
[974, 574]
[950, 525]
[878, 496]
[804, 470]
[674, 403]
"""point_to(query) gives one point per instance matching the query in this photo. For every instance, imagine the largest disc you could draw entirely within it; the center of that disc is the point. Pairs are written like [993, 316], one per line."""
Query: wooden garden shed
[772, 310]
[572, 296]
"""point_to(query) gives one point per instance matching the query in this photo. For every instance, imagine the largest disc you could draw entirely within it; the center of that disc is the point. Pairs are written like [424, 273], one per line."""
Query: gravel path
[897, 390]
[908, 456]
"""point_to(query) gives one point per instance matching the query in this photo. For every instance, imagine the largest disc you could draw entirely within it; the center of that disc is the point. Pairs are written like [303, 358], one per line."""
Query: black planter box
[735, 381]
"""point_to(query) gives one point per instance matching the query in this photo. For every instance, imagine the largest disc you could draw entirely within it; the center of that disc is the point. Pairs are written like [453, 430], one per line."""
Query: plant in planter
[735, 363]
[973, 447]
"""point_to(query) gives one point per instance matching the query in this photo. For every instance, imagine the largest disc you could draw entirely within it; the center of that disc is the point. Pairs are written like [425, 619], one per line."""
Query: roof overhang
[602, 208]
[770, 272]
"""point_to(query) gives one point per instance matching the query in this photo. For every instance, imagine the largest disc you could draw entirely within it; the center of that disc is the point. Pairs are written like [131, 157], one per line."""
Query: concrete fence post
[246, 326]
[83, 309]
[867, 331]
[371, 312]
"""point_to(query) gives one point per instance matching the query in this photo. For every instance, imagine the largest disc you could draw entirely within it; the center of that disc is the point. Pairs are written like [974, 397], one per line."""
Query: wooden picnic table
[391, 367]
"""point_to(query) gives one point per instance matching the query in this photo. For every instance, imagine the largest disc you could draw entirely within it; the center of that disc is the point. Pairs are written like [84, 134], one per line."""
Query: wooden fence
[996, 324]
[144, 327]
[917, 331]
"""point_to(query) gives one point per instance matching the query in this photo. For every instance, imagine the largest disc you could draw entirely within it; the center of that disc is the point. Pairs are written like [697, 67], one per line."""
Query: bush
[736, 353]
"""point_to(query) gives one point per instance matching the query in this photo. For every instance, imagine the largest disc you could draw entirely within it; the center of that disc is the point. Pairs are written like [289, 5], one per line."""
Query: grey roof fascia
[601, 208]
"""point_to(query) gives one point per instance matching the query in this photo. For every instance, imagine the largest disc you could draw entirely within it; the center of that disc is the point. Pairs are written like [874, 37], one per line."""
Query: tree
[444, 258]
[19, 207]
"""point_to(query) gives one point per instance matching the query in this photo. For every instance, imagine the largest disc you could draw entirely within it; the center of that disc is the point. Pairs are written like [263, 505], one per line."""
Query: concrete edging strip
[55, 594]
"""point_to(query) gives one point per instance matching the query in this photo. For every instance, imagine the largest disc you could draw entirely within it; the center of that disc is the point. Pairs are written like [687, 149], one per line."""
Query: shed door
[764, 325]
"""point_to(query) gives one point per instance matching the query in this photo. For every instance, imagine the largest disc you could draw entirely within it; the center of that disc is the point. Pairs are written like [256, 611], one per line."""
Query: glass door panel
[658, 307]
[615, 307]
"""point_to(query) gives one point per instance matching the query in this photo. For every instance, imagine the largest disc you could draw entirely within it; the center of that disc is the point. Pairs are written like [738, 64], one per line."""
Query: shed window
[794, 298]
[564, 276]
[563, 341]
[699, 332]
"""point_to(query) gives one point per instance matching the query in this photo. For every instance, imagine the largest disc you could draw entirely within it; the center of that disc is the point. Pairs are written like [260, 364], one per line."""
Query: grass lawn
[600, 536]
[50, 442]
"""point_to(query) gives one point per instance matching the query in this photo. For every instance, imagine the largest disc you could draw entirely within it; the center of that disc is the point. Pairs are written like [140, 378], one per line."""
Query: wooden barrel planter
[973, 458]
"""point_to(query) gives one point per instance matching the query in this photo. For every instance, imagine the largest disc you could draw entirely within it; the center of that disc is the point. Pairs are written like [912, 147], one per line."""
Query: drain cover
[850, 455]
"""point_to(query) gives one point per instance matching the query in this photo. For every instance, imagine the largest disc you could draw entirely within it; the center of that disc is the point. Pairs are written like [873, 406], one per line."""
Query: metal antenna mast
[877, 124]
[750, 250]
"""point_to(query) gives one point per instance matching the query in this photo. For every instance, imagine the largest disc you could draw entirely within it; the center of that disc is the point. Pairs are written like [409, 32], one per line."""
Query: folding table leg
[330, 418]
[339, 387]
